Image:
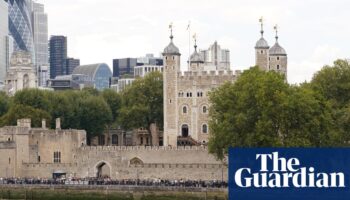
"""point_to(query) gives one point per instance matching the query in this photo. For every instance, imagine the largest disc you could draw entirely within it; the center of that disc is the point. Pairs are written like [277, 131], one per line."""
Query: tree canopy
[261, 110]
[142, 103]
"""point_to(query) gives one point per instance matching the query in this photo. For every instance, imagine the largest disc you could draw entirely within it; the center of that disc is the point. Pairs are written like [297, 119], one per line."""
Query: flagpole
[189, 45]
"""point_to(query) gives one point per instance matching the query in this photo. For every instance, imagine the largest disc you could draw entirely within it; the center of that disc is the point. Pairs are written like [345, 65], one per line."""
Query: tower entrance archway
[103, 169]
[184, 130]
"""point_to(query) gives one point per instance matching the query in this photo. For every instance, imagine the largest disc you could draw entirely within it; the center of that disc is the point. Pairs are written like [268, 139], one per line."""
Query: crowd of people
[124, 182]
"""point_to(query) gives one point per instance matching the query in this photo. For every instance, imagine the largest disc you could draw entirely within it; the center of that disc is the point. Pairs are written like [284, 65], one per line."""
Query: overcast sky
[313, 32]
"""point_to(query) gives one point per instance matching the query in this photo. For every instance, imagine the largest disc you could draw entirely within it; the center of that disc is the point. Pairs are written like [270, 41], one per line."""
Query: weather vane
[276, 29]
[261, 20]
[171, 30]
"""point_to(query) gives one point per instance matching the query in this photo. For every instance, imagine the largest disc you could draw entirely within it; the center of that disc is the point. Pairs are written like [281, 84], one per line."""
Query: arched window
[278, 58]
[136, 161]
[184, 109]
[26, 81]
[278, 67]
[184, 130]
[205, 109]
[204, 128]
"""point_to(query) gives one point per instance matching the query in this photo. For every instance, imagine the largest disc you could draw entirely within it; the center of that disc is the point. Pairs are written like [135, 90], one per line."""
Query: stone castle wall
[137, 162]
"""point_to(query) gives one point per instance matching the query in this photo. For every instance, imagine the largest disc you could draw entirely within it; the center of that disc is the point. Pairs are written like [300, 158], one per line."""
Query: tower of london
[186, 100]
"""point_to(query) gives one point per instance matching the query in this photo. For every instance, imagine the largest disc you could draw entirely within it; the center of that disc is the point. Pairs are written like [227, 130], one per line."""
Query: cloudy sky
[313, 32]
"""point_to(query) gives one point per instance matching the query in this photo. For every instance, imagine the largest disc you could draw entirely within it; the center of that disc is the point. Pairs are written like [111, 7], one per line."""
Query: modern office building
[40, 34]
[149, 59]
[142, 71]
[20, 25]
[58, 56]
[71, 64]
[3, 39]
[73, 81]
[217, 57]
[124, 66]
[9, 50]
[100, 73]
[43, 75]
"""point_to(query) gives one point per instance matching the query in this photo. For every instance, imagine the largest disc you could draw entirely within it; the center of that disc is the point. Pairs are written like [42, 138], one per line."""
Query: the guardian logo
[286, 173]
[289, 173]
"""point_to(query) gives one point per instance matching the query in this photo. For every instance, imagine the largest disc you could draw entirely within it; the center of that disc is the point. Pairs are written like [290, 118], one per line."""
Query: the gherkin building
[20, 26]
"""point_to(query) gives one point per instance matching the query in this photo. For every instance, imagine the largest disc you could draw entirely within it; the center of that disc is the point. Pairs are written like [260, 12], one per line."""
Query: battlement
[144, 148]
[192, 75]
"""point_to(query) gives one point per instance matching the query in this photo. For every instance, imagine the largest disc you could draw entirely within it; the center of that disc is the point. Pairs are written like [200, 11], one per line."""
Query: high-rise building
[3, 39]
[215, 56]
[9, 50]
[124, 66]
[20, 25]
[58, 56]
[40, 34]
[43, 75]
[71, 64]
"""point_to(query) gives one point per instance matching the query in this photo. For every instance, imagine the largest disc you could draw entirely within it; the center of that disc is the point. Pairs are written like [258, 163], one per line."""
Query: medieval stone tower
[274, 58]
[171, 56]
[278, 58]
[262, 51]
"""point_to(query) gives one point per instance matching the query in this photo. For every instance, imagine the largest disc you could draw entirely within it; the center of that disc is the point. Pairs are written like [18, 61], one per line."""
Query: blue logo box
[289, 173]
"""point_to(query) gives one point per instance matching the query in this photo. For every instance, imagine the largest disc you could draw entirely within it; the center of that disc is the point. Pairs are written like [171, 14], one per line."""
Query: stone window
[136, 161]
[262, 51]
[38, 159]
[278, 58]
[115, 139]
[205, 109]
[204, 128]
[9, 161]
[57, 157]
[184, 109]
[278, 67]
[141, 141]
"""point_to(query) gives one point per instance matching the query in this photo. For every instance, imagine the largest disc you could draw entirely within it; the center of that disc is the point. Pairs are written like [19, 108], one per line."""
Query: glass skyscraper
[58, 56]
[3, 39]
[40, 34]
[20, 25]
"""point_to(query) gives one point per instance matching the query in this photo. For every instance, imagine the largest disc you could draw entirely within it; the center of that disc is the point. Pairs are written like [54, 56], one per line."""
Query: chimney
[58, 123]
[43, 123]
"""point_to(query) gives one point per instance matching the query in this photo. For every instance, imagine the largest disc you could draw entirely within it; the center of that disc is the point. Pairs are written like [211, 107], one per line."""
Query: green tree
[113, 99]
[333, 82]
[4, 103]
[23, 111]
[33, 97]
[62, 108]
[94, 115]
[142, 103]
[261, 110]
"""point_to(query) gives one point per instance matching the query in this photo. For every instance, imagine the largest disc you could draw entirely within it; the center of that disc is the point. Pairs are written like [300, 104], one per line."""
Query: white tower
[171, 57]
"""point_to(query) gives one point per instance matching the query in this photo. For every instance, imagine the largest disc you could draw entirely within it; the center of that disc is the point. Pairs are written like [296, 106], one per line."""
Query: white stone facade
[21, 73]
